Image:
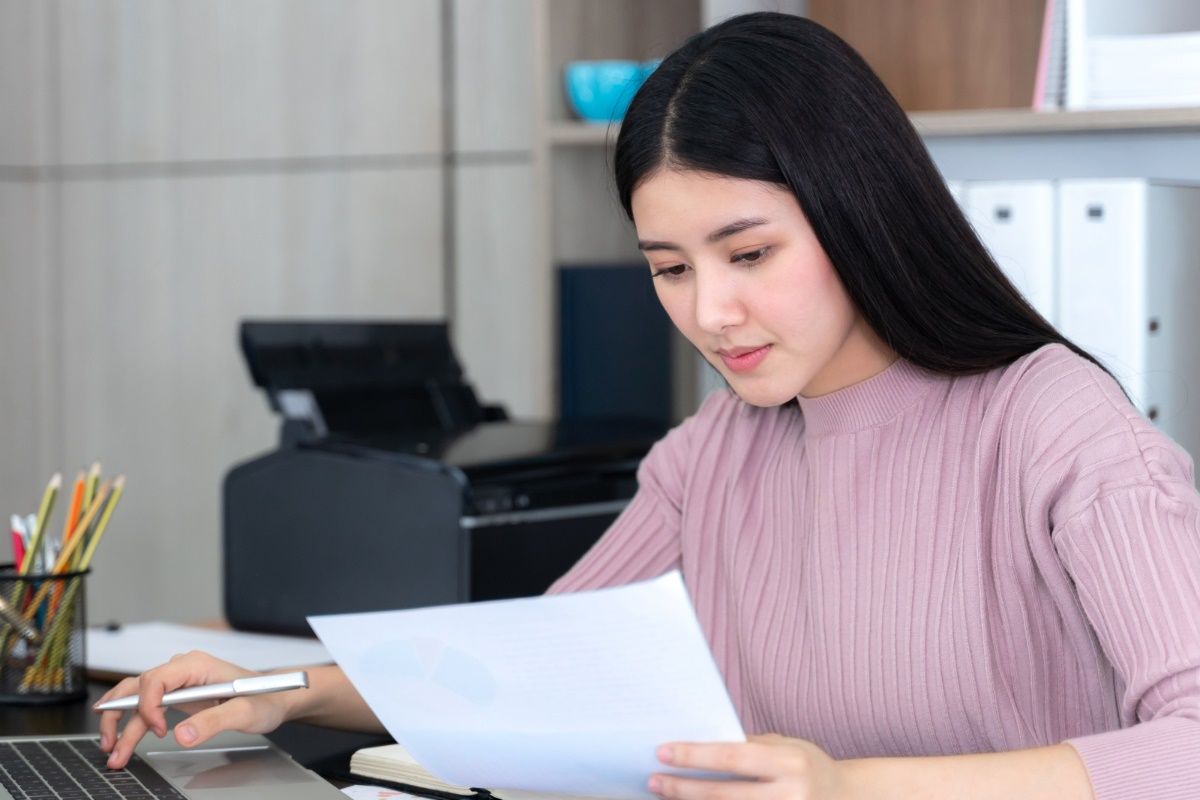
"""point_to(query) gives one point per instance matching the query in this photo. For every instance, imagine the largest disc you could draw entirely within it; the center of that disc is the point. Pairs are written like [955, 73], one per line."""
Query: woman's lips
[744, 359]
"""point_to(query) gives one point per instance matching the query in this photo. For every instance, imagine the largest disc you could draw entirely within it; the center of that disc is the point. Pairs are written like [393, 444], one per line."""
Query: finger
[678, 788]
[184, 669]
[233, 715]
[749, 759]
[110, 719]
[151, 688]
[122, 751]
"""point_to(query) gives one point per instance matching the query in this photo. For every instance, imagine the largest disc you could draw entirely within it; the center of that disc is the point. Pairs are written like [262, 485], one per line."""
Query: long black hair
[778, 98]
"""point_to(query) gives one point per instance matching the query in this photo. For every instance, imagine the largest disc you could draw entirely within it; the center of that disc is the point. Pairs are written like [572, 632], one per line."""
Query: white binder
[1129, 283]
[1016, 221]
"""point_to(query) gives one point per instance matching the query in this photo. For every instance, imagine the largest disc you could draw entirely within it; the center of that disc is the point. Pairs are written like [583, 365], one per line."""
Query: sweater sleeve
[643, 542]
[1134, 555]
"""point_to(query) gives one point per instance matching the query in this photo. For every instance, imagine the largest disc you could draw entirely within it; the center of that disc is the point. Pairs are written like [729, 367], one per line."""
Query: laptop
[230, 765]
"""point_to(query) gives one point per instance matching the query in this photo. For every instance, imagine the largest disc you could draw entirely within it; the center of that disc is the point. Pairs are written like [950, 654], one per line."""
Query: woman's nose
[717, 304]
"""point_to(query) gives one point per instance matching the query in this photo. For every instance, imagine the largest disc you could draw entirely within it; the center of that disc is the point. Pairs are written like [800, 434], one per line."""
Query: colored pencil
[18, 541]
[43, 513]
[74, 509]
[89, 486]
[94, 540]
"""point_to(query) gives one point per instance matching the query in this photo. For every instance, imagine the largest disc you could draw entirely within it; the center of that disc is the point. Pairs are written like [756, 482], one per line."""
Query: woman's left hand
[770, 766]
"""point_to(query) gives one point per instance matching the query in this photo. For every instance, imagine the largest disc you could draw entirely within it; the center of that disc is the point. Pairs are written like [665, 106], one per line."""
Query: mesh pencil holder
[49, 666]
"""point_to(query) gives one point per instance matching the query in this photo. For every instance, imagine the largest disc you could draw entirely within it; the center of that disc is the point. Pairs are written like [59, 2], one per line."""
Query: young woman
[935, 550]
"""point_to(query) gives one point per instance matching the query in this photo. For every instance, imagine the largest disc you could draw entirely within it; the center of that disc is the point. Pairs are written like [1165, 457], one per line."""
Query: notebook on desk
[391, 765]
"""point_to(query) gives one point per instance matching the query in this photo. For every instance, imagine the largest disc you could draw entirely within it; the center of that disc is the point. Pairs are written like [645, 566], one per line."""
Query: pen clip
[261, 684]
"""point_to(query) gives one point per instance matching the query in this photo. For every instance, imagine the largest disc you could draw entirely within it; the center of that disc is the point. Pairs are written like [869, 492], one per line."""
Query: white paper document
[133, 649]
[567, 693]
[375, 793]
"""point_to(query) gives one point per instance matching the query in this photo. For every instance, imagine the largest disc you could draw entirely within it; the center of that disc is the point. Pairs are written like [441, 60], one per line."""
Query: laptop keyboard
[76, 769]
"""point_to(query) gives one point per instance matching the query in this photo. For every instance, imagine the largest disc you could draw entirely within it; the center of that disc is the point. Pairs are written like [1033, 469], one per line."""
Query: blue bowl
[600, 91]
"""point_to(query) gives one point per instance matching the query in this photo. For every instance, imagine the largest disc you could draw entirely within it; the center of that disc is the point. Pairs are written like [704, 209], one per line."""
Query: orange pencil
[73, 509]
[69, 524]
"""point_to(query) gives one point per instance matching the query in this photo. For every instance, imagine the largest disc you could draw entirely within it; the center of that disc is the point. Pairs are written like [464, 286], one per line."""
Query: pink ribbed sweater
[924, 564]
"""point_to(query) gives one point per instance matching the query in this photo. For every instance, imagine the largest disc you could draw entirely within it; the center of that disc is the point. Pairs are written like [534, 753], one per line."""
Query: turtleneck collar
[870, 402]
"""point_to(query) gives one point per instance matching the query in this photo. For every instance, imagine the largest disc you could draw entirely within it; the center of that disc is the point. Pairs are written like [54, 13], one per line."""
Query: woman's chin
[762, 396]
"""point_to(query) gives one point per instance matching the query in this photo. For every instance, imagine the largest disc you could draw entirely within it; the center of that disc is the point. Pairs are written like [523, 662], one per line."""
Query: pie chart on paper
[430, 675]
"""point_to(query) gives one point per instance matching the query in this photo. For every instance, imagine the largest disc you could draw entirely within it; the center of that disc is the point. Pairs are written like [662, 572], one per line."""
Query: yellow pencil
[94, 541]
[35, 541]
[89, 486]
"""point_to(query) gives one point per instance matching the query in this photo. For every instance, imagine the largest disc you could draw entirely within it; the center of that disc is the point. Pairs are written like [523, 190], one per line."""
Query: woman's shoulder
[1060, 399]
[1056, 378]
[1072, 425]
[1054, 390]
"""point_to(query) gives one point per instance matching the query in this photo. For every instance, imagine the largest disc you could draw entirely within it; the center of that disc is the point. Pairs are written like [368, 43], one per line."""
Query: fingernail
[655, 784]
[186, 734]
[666, 753]
[112, 761]
[104, 742]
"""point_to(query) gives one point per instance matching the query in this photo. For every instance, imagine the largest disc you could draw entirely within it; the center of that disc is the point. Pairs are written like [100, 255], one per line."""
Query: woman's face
[741, 274]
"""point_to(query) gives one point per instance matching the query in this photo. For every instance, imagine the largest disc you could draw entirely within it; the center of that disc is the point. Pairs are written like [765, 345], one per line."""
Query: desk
[308, 744]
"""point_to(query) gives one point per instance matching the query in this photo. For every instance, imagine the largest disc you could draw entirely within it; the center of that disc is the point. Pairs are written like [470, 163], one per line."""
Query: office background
[167, 169]
[170, 168]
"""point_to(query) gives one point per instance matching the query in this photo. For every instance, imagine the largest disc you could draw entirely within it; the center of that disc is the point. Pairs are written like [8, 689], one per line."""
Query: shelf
[1013, 121]
[1017, 121]
[573, 134]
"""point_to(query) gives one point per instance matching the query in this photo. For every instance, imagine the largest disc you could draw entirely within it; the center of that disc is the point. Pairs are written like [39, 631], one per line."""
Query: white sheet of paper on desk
[135, 648]
[375, 793]
[569, 693]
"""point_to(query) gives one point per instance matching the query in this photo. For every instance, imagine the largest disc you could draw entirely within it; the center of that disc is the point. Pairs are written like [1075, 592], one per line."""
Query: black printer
[394, 487]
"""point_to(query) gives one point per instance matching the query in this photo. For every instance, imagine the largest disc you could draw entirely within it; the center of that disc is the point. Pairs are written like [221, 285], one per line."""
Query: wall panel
[27, 348]
[157, 275]
[145, 81]
[185, 165]
[501, 294]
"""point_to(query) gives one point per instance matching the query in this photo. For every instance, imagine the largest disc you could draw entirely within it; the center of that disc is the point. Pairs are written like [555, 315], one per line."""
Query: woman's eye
[751, 258]
[670, 273]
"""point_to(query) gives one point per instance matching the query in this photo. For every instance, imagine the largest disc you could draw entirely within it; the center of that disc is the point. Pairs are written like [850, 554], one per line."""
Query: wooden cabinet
[938, 55]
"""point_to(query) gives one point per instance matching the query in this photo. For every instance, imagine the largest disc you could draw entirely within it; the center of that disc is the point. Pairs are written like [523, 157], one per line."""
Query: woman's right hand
[252, 714]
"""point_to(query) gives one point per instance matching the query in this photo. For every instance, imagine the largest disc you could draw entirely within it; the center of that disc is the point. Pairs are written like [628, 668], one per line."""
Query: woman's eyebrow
[736, 226]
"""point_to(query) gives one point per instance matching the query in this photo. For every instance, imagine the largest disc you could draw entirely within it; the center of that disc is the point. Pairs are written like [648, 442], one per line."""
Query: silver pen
[217, 691]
